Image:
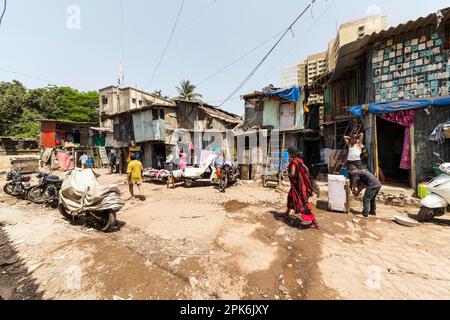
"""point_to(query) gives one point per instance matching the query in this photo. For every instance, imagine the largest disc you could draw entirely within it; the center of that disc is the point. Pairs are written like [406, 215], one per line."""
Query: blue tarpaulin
[291, 94]
[394, 106]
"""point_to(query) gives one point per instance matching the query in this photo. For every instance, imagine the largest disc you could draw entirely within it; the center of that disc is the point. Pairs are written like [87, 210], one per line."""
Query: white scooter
[438, 201]
[206, 173]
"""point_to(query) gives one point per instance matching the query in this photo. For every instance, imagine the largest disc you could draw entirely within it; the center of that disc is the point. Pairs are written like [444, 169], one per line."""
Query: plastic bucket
[422, 190]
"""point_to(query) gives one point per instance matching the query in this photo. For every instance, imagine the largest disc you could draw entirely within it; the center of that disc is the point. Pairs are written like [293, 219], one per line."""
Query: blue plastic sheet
[291, 94]
[389, 107]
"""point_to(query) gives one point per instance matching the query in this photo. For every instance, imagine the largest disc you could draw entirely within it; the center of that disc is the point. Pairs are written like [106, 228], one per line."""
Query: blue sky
[34, 40]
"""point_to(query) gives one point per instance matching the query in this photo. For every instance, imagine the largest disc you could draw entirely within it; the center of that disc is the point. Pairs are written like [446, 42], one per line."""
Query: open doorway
[391, 137]
[159, 155]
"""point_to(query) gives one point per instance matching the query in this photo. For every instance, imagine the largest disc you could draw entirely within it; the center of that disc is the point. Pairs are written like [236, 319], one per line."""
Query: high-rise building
[289, 76]
[303, 73]
[316, 66]
[352, 31]
[295, 75]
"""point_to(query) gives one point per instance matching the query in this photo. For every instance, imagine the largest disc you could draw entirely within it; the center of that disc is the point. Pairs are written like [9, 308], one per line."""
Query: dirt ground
[198, 243]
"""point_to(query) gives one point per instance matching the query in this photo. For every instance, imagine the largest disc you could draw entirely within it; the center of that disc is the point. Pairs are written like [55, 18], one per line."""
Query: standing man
[135, 171]
[84, 160]
[356, 146]
[363, 179]
[112, 162]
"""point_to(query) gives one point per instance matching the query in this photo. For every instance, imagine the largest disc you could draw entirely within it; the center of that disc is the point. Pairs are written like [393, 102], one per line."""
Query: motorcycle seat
[52, 178]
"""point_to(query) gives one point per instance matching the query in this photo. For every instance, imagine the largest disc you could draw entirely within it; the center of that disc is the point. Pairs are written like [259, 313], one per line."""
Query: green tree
[21, 108]
[12, 100]
[186, 91]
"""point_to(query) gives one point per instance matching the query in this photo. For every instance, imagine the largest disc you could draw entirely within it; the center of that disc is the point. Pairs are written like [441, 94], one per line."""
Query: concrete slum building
[394, 86]
[155, 128]
[275, 117]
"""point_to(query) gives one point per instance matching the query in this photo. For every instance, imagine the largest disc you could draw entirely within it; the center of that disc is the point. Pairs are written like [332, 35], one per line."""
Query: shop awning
[394, 106]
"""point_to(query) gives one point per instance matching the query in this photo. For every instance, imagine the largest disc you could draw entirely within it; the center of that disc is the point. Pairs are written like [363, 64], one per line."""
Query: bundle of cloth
[156, 174]
[440, 133]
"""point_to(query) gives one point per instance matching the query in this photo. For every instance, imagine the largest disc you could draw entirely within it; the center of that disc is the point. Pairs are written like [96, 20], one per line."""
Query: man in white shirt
[84, 160]
[356, 146]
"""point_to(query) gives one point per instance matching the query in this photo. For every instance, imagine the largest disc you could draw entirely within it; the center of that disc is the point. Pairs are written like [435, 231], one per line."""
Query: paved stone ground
[365, 258]
[378, 259]
[349, 258]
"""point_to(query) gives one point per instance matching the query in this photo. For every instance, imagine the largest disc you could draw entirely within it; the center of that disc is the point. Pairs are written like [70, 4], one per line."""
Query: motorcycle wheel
[427, 214]
[189, 183]
[108, 221]
[223, 183]
[64, 212]
[10, 189]
[37, 195]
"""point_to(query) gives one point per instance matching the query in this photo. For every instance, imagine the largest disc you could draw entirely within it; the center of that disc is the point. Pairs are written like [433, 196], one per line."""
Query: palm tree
[186, 91]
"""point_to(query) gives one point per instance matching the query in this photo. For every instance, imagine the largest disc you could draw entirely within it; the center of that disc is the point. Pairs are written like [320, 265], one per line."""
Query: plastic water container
[337, 193]
[422, 190]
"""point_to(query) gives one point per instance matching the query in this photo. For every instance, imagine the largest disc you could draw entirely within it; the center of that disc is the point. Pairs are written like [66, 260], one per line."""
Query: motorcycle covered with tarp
[82, 197]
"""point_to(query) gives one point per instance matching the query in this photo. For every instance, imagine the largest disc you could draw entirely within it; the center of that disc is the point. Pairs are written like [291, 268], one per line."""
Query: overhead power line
[238, 59]
[167, 45]
[5, 3]
[186, 26]
[291, 49]
[49, 82]
[269, 53]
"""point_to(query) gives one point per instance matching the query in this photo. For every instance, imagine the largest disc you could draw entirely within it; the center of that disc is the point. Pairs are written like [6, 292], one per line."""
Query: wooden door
[287, 116]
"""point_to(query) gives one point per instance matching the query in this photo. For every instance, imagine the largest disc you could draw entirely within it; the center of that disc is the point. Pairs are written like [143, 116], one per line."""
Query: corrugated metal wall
[424, 147]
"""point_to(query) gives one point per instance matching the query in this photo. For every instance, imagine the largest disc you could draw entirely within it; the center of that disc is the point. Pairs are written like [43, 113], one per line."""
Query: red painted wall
[48, 135]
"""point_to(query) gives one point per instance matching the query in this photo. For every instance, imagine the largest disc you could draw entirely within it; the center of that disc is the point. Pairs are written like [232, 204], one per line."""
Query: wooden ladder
[340, 158]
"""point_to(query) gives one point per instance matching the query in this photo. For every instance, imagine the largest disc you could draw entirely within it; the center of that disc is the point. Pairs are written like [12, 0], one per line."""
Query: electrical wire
[5, 3]
[167, 45]
[268, 54]
[49, 82]
[296, 43]
[238, 97]
[186, 26]
[238, 59]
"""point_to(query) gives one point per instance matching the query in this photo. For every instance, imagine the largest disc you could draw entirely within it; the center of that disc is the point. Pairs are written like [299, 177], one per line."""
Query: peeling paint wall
[271, 113]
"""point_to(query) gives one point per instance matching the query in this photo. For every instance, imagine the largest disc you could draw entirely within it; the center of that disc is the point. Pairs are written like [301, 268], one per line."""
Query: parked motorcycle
[206, 173]
[438, 201]
[17, 184]
[47, 191]
[227, 175]
[83, 198]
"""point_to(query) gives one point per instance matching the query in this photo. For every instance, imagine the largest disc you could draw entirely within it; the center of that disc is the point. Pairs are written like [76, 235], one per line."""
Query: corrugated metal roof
[67, 122]
[145, 108]
[215, 112]
[107, 130]
[218, 114]
[349, 54]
